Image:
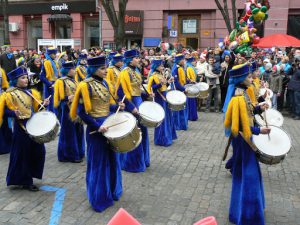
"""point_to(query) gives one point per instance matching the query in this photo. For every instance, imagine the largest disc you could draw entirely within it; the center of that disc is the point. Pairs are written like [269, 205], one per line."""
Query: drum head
[121, 129]
[41, 123]
[176, 97]
[278, 145]
[202, 86]
[152, 110]
[262, 91]
[274, 118]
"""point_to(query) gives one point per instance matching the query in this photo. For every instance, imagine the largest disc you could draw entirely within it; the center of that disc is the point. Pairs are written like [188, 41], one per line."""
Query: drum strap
[227, 147]
[161, 95]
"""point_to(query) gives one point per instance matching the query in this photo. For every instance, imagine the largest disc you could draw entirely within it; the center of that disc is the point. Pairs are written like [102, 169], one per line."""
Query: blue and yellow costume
[247, 196]
[129, 83]
[113, 71]
[93, 104]
[50, 73]
[165, 133]
[27, 157]
[81, 68]
[180, 117]
[5, 131]
[192, 102]
[71, 144]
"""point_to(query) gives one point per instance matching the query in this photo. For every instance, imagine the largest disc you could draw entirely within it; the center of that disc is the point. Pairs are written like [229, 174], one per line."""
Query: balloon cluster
[244, 35]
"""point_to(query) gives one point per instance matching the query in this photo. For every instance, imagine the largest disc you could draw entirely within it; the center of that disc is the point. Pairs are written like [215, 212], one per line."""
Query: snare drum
[151, 114]
[124, 137]
[274, 118]
[192, 91]
[176, 100]
[43, 127]
[203, 87]
[262, 91]
[272, 151]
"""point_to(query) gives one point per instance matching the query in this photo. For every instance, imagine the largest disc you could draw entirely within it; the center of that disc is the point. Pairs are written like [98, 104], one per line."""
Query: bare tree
[4, 4]
[225, 13]
[116, 19]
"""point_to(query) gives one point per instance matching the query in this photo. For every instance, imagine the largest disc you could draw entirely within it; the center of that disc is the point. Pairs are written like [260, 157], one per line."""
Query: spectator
[7, 59]
[275, 84]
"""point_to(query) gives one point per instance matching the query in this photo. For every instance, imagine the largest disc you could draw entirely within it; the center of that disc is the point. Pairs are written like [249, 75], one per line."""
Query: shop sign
[61, 7]
[46, 42]
[189, 26]
[173, 33]
[134, 22]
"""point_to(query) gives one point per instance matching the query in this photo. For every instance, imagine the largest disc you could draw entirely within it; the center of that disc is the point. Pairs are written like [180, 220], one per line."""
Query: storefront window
[91, 34]
[34, 32]
[63, 30]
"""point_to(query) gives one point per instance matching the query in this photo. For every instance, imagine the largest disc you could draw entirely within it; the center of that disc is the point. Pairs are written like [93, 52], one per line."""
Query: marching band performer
[50, 73]
[27, 157]
[81, 68]
[5, 131]
[71, 144]
[128, 84]
[165, 133]
[180, 117]
[93, 103]
[114, 70]
[247, 195]
[191, 74]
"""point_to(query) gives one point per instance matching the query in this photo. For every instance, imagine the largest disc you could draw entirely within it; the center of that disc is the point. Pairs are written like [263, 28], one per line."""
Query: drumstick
[120, 106]
[38, 101]
[42, 106]
[113, 125]
[153, 95]
[146, 116]
[265, 115]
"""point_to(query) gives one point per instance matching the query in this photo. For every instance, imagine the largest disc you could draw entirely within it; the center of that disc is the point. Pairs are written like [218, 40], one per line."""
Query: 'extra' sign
[61, 7]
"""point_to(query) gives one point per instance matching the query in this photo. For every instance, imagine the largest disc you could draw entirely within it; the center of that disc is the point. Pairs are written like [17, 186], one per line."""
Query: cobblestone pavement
[186, 182]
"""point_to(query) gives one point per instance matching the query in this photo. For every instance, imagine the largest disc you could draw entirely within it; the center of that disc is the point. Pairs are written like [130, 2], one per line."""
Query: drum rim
[176, 91]
[257, 116]
[34, 114]
[162, 109]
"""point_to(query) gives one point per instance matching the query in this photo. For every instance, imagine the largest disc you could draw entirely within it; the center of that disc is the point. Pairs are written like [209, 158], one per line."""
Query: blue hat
[132, 53]
[118, 57]
[18, 72]
[226, 52]
[97, 61]
[111, 55]
[68, 65]
[51, 51]
[239, 71]
[179, 57]
[157, 62]
[191, 59]
[82, 56]
[253, 67]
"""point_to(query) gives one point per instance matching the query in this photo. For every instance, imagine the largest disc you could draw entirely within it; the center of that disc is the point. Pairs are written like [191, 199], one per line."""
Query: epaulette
[11, 89]
[87, 80]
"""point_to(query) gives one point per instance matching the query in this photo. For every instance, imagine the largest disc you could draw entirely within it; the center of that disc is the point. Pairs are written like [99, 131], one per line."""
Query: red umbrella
[277, 40]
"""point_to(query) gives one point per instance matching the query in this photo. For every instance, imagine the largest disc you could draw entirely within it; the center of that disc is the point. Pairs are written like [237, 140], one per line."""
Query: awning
[151, 42]
[59, 17]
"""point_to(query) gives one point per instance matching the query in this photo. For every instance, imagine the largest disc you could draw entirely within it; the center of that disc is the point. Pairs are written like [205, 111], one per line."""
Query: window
[91, 34]
[189, 26]
[63, 30]
[34, 32]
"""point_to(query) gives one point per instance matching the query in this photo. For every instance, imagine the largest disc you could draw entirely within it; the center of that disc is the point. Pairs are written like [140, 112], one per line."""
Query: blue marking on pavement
[58, 203]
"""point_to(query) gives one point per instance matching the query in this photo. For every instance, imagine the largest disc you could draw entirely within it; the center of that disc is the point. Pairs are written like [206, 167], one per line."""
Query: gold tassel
[235, 117]
[80, 74]
[244, 117]
[191, 74]
[5, 83]
[49, 70]
[124, 81]
[2, 107]
[59, 92]
[228, 116]
[110, 76]
[81, 91]
[37, 95]
[181, 76]
[251, 94]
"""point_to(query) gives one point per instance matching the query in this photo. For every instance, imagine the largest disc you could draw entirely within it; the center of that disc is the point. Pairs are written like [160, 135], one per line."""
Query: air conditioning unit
[13, 27]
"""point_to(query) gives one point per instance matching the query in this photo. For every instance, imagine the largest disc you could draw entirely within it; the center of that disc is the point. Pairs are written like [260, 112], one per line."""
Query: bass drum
[151, 114]
[125, 136]
[43, 127]
[203, 87]
[176, 100]
[274, 118]
[274, 149]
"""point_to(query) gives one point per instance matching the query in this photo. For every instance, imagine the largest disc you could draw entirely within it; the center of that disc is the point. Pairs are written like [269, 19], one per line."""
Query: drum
[176, 100]
[274, 149]
[43, 127]
[123, 133]
[151, 114]
[192, 91]
[274, 118]
[203, 87]
[262, 91]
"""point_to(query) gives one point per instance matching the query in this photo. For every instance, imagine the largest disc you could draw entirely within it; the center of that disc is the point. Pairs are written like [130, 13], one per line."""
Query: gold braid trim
[244, 118]
[59, 92]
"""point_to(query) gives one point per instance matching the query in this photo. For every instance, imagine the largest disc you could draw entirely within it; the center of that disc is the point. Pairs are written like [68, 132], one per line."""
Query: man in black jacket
[7, 59]
[294, 85]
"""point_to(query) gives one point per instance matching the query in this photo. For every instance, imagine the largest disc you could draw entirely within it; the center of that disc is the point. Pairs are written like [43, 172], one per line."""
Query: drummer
[71, 143]
[5, 131]
[114, 70]
[180, 117]
[191, 77]
[81, 68]
[129, 84]
[247, 195]
[93, 102]
[27, 157]
[166, 132]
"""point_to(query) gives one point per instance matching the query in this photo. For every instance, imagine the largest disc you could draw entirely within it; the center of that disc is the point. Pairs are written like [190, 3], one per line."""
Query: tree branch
[227, 21]
[227, 13]
[110, 14]
[233, 12]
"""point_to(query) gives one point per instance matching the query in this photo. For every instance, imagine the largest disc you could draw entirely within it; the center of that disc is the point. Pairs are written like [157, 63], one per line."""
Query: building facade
[194, 23]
